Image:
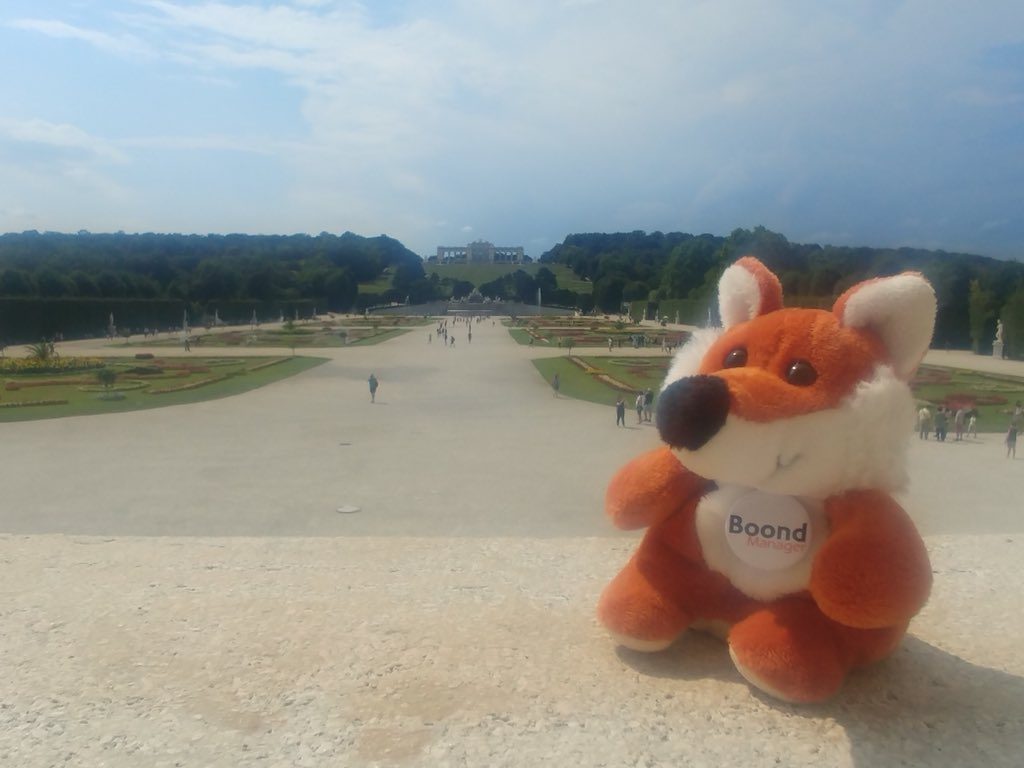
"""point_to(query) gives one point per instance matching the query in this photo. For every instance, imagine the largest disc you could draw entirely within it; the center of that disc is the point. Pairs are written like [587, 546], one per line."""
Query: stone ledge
[479, 652]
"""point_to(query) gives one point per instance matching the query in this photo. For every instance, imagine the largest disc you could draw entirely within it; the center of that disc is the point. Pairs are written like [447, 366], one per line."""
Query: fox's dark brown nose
[692, 410]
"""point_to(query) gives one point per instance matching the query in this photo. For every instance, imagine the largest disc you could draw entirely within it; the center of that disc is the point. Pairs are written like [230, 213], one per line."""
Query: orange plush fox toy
[768, 510]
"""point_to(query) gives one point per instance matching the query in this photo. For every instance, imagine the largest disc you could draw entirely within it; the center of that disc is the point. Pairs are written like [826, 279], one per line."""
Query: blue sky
[517, 121]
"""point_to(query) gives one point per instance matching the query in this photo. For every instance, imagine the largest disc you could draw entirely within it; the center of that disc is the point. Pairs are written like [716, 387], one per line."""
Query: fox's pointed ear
[747, 289]
[900, 309]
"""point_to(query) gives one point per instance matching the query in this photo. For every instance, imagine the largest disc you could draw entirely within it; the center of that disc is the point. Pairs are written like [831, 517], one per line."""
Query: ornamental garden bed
[592, 332]
[163, 381]
[339, 332]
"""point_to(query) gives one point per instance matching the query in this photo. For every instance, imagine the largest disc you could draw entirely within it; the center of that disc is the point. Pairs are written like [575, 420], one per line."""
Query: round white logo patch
[768, 531]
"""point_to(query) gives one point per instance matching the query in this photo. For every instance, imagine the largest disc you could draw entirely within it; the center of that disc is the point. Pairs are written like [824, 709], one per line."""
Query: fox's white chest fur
[764, 544]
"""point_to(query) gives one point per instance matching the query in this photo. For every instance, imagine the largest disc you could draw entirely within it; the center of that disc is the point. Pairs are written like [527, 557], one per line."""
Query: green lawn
[379, 285]
[520, 335]
[141, 384]
[584, 382]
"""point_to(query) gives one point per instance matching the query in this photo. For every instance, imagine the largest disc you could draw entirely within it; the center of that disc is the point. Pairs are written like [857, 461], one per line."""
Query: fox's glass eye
[801, 373]
[737, 358]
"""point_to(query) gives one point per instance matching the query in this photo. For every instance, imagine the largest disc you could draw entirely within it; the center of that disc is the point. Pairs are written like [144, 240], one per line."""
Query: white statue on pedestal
[997, 344]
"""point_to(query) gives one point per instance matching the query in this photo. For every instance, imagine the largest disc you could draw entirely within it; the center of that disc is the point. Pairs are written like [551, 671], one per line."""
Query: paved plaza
[179, 587]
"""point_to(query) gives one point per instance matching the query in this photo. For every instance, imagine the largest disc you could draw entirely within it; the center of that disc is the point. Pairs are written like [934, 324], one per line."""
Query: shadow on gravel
[922, 706]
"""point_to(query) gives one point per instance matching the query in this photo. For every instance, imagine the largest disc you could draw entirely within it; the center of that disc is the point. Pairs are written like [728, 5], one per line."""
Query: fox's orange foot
[637, 616]
[788, 650]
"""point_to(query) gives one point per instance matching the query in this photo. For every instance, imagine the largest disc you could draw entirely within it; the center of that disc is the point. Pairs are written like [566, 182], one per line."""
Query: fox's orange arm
[873, 570]
[650, 488]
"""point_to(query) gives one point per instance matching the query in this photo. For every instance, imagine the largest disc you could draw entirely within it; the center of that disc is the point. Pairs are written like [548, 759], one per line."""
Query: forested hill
[972, 290]
[201, 268]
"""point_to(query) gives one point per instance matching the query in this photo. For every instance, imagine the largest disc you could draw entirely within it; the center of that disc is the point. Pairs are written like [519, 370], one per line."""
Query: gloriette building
[479, 252]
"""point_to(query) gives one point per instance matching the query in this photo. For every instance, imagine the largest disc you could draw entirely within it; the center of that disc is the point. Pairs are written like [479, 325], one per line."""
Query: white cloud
[61, 137]
[122, 45]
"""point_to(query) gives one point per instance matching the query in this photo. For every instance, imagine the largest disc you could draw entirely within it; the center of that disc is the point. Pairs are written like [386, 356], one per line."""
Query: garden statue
[997, 344]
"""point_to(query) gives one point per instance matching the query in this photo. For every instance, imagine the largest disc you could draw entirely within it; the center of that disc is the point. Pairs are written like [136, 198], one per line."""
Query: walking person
[1016, 417]
[556, 383]
[941, 423]
[639, 407]
[620, 412]
[924, 422]
[374, 383]
[648, 404]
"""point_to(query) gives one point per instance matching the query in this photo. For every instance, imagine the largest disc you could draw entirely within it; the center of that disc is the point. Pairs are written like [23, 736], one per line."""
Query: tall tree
[981, 308]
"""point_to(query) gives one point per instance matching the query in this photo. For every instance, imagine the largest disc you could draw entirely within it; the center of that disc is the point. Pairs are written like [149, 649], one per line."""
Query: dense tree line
[973, 291]
[202, 269]
[325, 270]
[524, 287]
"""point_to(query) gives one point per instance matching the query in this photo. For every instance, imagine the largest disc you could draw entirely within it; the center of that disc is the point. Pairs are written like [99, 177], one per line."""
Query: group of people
[442, 335]
[965, 422]
[644, 405]
[449, 339]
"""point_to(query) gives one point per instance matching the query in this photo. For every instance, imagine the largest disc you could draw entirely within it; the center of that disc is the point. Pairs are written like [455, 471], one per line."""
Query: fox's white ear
[747, 289]
[900, 309]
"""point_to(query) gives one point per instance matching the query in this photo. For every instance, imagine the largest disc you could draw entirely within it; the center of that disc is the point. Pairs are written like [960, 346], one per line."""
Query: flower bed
[186, 367]
[14, 386]
[267, 364]
[127, 386]
[31, 365]
[927, 375]
[186, 387]
[615, 383]
[968, 400]
[587, 368]
[27, 403]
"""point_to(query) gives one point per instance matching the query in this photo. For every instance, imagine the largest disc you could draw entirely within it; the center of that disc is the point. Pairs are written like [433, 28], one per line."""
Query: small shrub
[106, 377]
